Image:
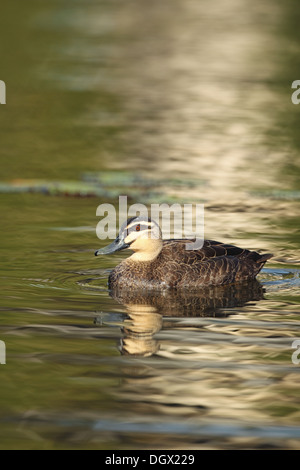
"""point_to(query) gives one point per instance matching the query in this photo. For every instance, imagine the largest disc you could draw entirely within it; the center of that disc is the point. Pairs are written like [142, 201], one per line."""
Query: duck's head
[140, 234]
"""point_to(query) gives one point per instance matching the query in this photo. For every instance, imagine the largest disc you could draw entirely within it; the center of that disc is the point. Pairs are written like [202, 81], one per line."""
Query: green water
[163, 102]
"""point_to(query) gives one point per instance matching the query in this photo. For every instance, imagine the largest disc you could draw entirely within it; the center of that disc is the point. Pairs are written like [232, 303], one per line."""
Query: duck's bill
[117, 245]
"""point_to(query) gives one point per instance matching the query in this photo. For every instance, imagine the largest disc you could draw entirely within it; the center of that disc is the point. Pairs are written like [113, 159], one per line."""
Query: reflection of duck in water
[146, 310]
[165, 264]
[139, 328]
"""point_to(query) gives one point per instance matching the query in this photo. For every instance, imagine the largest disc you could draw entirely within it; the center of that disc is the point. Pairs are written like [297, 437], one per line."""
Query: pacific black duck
[163, 264]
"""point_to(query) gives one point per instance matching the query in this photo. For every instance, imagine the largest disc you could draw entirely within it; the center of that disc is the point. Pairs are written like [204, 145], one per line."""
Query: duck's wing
[212, 249]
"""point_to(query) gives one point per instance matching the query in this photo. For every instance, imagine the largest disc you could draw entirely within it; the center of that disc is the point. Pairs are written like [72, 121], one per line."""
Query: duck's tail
[260, 260]
[263, 258]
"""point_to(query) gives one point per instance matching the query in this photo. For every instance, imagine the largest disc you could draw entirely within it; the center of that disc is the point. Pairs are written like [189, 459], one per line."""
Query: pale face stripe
[147, 230]
[146, 225]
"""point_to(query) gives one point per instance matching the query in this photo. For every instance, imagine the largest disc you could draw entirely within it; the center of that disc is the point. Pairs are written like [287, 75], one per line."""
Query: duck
[161, 264]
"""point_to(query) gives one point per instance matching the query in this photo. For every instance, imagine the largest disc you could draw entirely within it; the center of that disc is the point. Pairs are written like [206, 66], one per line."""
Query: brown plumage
[165, 264]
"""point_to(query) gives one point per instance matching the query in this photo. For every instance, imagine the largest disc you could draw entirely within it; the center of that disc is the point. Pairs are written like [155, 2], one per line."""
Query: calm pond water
[175, 101]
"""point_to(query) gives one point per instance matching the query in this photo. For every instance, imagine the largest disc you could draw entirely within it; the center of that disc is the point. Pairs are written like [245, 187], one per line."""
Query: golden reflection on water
[201, 96]
[194, 89]
[229, 370]
[192, 113]
[146, 310]
[217, 363]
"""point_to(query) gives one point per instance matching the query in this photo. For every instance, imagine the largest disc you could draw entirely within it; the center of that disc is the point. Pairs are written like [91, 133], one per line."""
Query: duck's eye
[138, 228]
